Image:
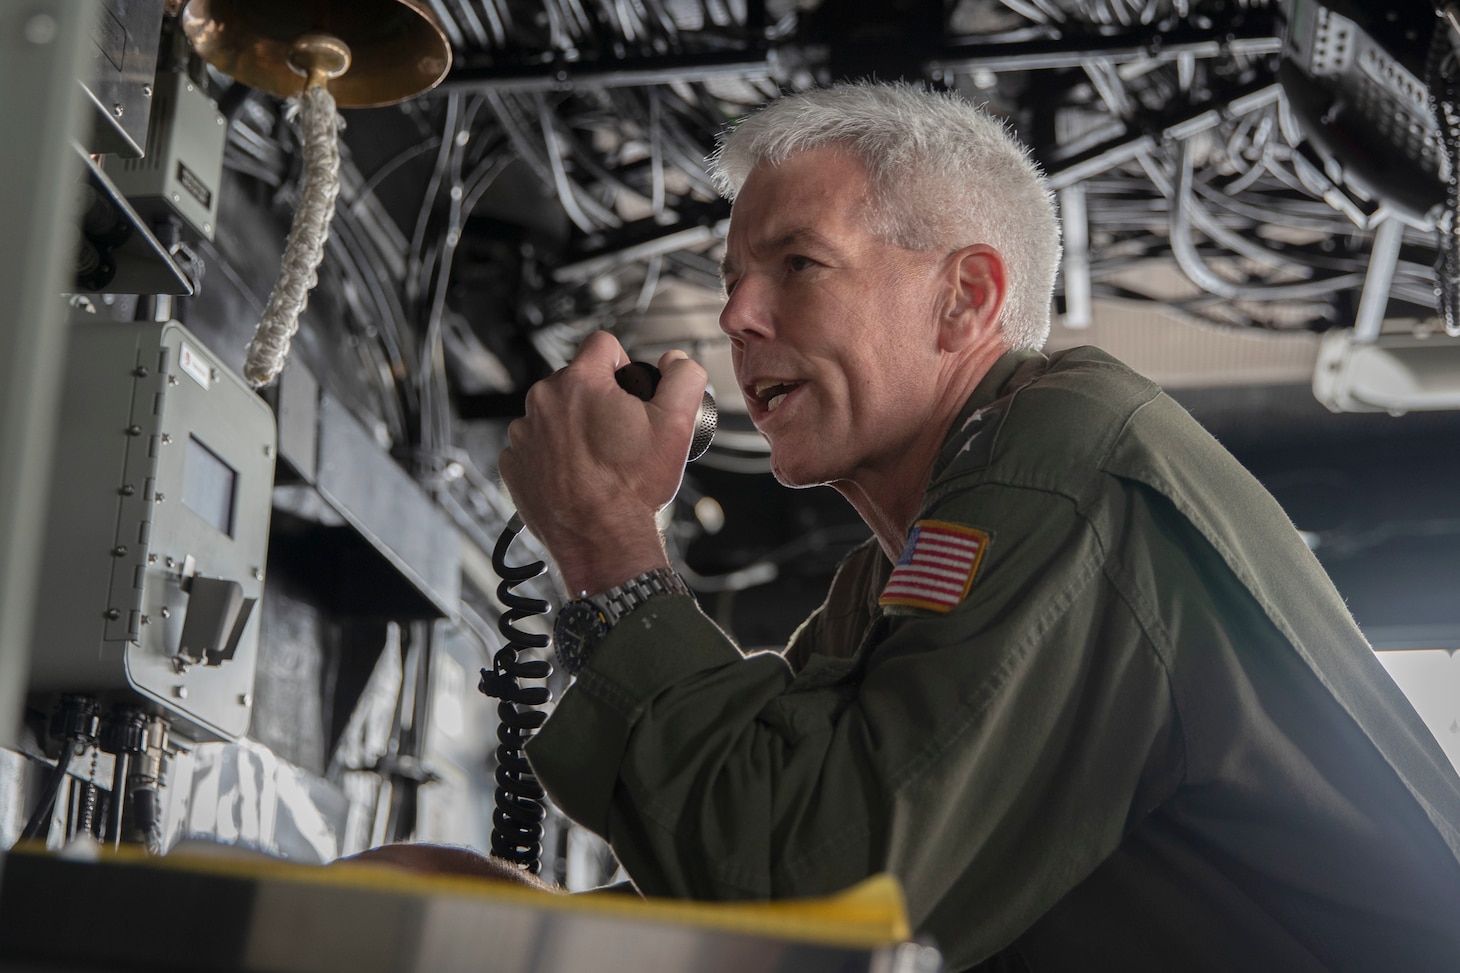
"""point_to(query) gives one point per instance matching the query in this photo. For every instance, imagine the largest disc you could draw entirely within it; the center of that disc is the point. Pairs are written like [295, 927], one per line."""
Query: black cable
[395, 162]
[43, 810]
[144, 810]
[517, 820]
[76, 723]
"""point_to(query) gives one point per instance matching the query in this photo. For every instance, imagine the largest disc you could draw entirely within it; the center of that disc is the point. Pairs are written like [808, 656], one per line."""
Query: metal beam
[42, 46]
[972, 54]
[560, 74]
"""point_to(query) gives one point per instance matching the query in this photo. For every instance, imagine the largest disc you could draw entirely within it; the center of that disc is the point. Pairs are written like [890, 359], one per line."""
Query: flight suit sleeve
[990, 757]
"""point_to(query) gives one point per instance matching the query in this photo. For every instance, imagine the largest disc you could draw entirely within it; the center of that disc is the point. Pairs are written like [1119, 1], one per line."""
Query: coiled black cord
[518, 817]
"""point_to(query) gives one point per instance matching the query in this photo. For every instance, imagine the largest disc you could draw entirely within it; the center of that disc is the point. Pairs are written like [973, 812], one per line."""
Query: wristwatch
[583, 623]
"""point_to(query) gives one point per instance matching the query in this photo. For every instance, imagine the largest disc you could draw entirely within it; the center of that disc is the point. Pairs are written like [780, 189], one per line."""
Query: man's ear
[978, 282]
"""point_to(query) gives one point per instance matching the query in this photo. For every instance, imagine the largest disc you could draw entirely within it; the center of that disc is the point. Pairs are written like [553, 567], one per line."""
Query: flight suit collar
[1012, 371]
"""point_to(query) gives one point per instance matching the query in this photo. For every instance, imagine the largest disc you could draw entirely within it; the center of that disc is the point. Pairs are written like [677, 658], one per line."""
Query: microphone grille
[707, 420]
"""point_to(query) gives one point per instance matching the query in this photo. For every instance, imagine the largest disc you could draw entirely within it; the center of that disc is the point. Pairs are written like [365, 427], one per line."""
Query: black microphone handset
[641, 379]
[517, 819]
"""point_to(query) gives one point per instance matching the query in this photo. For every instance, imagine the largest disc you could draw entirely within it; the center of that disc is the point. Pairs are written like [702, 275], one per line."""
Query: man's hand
[590, 464]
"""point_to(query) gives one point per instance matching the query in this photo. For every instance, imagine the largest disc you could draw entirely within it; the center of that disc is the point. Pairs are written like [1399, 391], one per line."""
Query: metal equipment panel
[118, 82]
[182, 170]
[158, 530]
[388, 508]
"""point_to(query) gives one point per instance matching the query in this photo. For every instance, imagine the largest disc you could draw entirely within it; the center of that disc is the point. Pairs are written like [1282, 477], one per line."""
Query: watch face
[579, 627]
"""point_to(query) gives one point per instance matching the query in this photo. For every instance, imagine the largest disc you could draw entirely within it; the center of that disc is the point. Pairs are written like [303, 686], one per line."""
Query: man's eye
[799, 263]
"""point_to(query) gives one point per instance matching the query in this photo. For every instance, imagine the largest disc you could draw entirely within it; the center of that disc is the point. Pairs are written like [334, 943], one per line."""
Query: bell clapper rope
[320, 57]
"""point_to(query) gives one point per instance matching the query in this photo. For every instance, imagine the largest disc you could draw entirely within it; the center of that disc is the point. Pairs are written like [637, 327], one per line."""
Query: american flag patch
[936, 568]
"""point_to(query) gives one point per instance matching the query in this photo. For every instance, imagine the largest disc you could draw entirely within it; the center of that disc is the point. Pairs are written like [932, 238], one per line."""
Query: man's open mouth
[771, 394]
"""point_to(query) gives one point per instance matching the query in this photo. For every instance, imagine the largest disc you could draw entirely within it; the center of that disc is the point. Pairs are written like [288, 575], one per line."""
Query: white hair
[944, 174]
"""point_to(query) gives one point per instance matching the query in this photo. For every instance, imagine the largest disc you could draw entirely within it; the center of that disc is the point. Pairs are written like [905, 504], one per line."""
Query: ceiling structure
[1218, 163]
[1248, 188]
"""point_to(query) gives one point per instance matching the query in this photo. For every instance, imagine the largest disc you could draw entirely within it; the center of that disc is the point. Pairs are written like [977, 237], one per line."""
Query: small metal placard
[194, 365]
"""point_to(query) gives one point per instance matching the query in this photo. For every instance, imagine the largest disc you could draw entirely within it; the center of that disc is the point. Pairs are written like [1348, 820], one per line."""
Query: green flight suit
[1149, 737]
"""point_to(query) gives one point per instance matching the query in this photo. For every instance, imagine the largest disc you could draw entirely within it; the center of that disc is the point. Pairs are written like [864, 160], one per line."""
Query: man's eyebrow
[798, 236]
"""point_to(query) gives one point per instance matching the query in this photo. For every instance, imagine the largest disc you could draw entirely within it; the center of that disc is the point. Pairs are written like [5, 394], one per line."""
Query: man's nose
[747, 311]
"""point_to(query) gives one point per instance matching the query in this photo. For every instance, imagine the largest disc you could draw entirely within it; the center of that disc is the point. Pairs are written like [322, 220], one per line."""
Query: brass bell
[371, 52]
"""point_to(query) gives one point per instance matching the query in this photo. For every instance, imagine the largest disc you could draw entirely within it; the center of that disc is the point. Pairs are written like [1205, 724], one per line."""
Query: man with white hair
[1086, 693]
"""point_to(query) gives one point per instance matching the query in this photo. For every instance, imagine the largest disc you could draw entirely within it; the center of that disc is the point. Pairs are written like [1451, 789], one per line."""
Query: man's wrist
[583, 623]
[605, 566]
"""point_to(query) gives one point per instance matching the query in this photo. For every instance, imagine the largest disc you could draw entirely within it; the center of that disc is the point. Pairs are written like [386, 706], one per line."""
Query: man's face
[833, 331]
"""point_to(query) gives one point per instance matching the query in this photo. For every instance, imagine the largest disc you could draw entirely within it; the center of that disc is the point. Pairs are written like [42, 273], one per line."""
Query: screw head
[140, 371]
[134, 430]
[245, 699]
[166, 438]
[127, 490]
[147, 91]
[113, 614]
[119, 551]
[117, 110]
[181, 692]
[165, 612]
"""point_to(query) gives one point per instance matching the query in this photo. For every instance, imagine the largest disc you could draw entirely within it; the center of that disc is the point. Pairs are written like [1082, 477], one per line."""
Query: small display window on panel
[210, 485]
